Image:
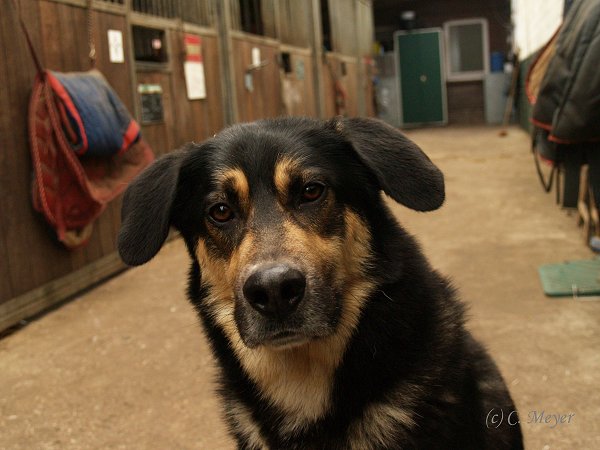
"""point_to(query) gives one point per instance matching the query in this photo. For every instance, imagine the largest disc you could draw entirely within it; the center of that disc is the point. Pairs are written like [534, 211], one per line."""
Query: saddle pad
[571, 278]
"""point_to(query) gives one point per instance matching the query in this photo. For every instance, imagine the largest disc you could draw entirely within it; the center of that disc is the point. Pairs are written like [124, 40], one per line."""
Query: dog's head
[276, 215]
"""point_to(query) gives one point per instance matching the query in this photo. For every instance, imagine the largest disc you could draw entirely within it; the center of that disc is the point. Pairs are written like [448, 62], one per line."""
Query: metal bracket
[248, 75]
[254, 67]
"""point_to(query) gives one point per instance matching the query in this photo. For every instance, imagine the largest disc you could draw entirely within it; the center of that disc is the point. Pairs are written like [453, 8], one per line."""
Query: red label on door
[193, 47]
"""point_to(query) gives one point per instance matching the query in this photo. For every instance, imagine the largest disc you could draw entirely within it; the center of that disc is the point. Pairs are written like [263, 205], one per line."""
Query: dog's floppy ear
[146, 211]
[403, 171]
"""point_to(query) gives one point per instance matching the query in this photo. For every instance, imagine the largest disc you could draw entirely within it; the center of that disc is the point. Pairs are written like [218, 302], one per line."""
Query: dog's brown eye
[312, 192]
[221, 213]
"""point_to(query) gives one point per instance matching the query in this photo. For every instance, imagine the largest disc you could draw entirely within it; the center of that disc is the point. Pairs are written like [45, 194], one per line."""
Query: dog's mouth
[283, 340]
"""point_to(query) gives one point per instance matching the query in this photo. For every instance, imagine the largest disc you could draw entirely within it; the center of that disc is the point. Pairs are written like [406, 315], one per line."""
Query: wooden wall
[365, 31]
[298, 88]
[350, 61]
[35, 270]
[344, 37]
[342, 69]
[295, 19]
[184, 120]
[198, 118]
[23, 239]
[465, 102]
[31, 257]
[268, 13]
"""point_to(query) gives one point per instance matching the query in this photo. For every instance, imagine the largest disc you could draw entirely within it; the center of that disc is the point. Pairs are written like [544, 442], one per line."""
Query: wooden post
[316, 43]
[137, 108]
[360, 66]
[229, 98]
[277, 19]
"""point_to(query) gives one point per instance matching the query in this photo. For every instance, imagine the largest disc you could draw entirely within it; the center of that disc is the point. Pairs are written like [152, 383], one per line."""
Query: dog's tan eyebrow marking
[284, 169]
[236, 179]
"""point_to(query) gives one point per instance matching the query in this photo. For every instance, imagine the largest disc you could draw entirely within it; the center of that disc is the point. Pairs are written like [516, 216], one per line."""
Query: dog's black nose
[275, 290]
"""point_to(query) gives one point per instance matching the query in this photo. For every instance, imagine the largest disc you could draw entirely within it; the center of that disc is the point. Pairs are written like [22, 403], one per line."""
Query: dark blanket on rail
[95, 120]
[568, 101]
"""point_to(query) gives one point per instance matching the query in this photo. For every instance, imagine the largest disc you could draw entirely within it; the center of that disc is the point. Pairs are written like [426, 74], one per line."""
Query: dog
[330, 328]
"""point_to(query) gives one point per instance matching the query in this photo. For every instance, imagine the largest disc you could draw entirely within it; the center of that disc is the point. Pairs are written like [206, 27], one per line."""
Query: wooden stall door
[340, 85]
[259, 97]
[160, 133]
[297, 85]
[198, 119]
[369, 87]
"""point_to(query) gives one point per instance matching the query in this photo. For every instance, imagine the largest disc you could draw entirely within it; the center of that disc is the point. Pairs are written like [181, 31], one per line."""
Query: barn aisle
[126, 365]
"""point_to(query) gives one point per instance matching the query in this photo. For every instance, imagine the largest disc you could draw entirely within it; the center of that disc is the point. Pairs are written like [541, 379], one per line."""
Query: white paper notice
[115, 46]
[194, 80]
[256, 56]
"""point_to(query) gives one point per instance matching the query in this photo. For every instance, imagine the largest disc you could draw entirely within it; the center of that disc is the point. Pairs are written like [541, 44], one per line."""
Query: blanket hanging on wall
[85, 149]
[98, 123]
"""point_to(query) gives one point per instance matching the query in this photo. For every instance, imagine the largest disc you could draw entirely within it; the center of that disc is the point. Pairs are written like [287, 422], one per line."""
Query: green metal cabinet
[421, 83]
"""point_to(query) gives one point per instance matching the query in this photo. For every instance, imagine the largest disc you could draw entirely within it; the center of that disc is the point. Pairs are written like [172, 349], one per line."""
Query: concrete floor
[126, 365]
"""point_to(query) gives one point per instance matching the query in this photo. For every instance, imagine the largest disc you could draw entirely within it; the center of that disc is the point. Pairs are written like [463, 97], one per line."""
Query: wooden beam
[54, 292]
[146, 20]
[255, 38]
[304, 51]
[198, 29]
[316, 42]
[44, 297]
[137, 108]
[226, 58]
[360, 67]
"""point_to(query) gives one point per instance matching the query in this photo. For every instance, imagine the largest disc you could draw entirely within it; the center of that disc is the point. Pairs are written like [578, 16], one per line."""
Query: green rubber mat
[571, 278]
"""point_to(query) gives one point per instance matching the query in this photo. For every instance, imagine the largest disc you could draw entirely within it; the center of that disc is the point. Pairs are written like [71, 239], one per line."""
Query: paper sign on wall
[193, 67]
[256, 56]
[115, 46]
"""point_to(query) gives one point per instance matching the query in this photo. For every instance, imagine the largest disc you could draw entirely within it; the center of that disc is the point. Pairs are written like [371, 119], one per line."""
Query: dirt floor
[126, 365]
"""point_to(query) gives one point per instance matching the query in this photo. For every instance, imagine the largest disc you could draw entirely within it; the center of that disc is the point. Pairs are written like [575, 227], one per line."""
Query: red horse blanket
[71, 191]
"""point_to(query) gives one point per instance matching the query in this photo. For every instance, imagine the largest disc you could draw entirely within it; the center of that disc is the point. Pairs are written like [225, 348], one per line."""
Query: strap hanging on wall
[34, 56]
[90, 29]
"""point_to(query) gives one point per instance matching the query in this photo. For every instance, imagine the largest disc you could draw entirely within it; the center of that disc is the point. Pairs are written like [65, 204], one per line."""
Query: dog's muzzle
[275, 290]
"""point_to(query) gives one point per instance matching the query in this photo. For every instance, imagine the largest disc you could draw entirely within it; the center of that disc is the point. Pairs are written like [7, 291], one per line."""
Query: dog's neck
[298, 381]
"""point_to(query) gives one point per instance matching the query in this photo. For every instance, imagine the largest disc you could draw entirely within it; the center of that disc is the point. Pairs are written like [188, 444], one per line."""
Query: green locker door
[422, 85]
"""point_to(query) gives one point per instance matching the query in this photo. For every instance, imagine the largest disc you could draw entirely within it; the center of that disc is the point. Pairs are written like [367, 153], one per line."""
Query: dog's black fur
[408, 374]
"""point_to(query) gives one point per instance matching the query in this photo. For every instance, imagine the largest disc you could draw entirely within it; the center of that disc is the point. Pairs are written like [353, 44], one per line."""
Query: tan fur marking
[379, 423]
[389, 419]
[297, 380]
[245, 425]
[238, 180]
[284, 169]
[220, 275]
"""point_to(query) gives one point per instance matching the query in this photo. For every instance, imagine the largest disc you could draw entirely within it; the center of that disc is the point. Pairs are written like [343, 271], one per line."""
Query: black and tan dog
[330, 328]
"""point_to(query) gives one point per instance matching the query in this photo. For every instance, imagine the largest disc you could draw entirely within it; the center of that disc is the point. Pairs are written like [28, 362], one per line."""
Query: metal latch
[248, 75]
